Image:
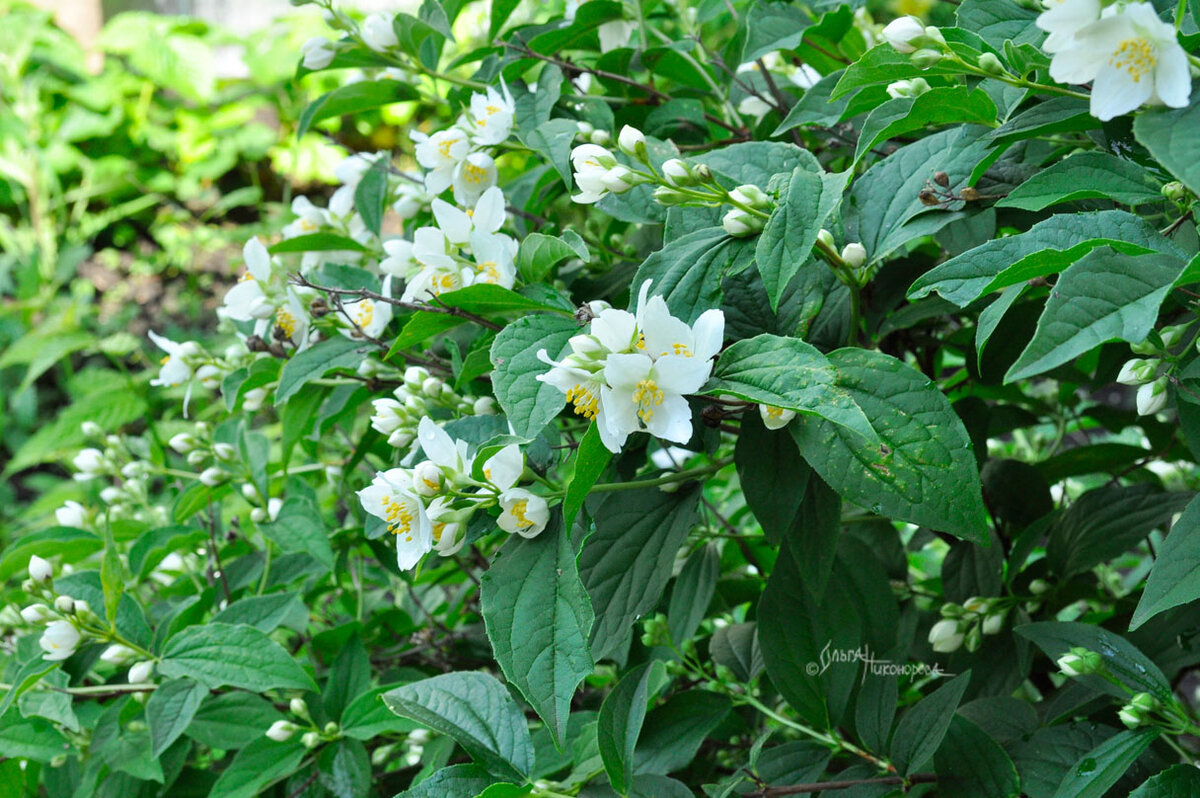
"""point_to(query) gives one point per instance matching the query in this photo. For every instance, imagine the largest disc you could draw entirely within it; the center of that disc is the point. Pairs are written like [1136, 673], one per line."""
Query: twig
[823, 786]
[212, 550]
[364, 293]
[734, 533]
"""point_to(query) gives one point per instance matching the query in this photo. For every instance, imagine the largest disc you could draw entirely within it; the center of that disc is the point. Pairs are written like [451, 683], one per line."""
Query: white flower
[945, 636]
[523, 513]
[90, 463]
[448, 535]
[1152, 397]
[662, 334]
[282, 730]
[41, 570]
[503, 469]
[802, 76]
[309, 219]
[178, 365]
[427, 479]
[318, 53]
[388, 498]
[370, 316]
[400, 260]
[1062, 19]
[754, 107]
[247, 300]
[493, 260]
[378, 33]
[646, 394]
[253, 399]
[443, 451]
[441, 153]
[775, 417]
[141, 672]
[490, 116]
[391, 419]
[475, 175]
[292, 318]
[457, 225]
[59, 640]
[1131, 57]
[597, 173]
[71, 514]
[901, 34]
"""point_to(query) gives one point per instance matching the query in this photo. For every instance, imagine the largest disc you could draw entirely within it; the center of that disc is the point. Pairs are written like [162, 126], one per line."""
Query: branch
[824, 786]
[363, 293]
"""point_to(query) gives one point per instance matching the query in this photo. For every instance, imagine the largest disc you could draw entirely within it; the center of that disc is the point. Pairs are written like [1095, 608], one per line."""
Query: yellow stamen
[286, 322]
[647, 396]
[586, 402]
[1135, 56]
[518, 512]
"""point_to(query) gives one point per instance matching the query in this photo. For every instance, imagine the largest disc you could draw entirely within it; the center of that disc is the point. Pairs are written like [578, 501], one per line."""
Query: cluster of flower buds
[282, 730]
[590, 135]
[1136, 712]
[656, 631]
[1080, 661]
[1147, 373]
[967, 623]
[115, 459]
[743, 221]
[599, 173]
[421, 393]
[907, 89]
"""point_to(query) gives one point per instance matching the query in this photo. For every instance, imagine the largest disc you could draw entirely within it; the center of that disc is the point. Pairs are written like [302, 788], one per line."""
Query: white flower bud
[1138, 371]
[40, 570]
[197, 457]
[902, 33]
[91, 429]
[36, 614]
[141, 672]
[945, 636]
[64, 604]
[632, 141]
[183, 443]
[212, 476]
[254, 399]
[310, 739]
[249, 492]
[1152, 397]
[1130, 717]
[299, 708]
[224, 452]
[826, 239]
[854, 255]
[739, 224]
[318, 53]
[432, 387]
[282, 730]
[117, 654]
[678, 174]
[484, 406]
[258, 515]
[414, 377]
[378, 33]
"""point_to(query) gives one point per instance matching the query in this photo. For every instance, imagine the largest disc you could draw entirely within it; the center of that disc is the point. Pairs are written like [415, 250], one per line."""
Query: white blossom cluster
[397, 416]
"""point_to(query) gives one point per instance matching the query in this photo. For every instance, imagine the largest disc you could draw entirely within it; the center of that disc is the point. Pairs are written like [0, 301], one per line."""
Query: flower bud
[1172, 336]
[677, 173]
[925, 58]
[1174, 191]
[619, 179]
[740, 224]
[945, 636]
[1080, 662]
[484, 406]
[990, 64]
[91, 429]
[117, 654]
[331, 728]
[197, 458]
[1138, 371]
[254, 399]
[141, 672]
[1152, 397]
[854, 255]
[427, 479]
[299, 708]
[907, 88]
[64, 604]
[378, 33]
[665, 195]
[414, 377]
[993, 623]
[1144, 702]
[282, 730]
[825, 239]
[183, 443]
[585, 128]
[751, 195]
[212, 476]
[224, 452]
[36, 614]
[902, 34]
[258, 515]
[601, 137]
[40, 570]
[249, 492]
[1038, 586]
[310, 739]
[1130, 716]
[632, 142]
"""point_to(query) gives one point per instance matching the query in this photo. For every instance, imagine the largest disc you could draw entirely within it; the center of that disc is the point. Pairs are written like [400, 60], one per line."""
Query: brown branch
[363, 293]
[823, 786]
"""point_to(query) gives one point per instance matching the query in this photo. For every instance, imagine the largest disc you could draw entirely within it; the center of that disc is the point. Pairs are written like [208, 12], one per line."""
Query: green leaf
[1105, 764]
[314, 362]
[170, 709]
[421, 327]
[1104, 296]
[1170, 137]
[300, 528]
[68, 543]
[585, 467]
[789, 373]
[969, 763]
[232, 720]
[28, 675]
[786, 243]
[261, 763]
[692, 593]
[620, 723]
[1175, 577]
[815, 107]
[1177, 781]
[219, 654]
[938, 106]
[771, 27]
[355, 98]
[1123, 660]
[674, 731]
[264, 613]
[812, 535]
[538, 618]
[540, 253]
[1045, 757]
[456, 781]
[997, 23]
[1047, 247]
[884, 210]
[477, 712]
[923, 471]
[772, 475]
[553, 141]
[735, 646]
[687, 272]
[316, 242]
[528, 402]
[371, 194]
[883, 64]
[923, 727]
[626, 563]
[1105, 522]
[1086, 175]
[345, 769]
[501, 10]
[488, 298]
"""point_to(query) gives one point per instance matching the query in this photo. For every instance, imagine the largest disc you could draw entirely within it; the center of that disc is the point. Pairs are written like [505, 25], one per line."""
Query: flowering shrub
[723, 399]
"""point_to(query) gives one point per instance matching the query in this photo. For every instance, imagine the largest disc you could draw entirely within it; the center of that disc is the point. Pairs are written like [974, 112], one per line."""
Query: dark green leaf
[219, 654]
[170, 709]
[921, 730]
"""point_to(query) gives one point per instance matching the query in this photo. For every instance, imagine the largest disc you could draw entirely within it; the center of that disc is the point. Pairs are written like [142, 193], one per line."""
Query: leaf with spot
[923, 469]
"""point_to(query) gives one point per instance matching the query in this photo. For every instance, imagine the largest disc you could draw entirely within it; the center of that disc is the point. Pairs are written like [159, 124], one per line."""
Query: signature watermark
[831, 656]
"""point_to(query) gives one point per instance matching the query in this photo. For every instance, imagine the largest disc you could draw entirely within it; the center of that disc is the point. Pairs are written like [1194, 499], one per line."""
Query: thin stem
[301, 280]
[665, 479]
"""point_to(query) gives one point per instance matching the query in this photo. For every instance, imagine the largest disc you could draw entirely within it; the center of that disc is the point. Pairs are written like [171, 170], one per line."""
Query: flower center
[488, 269]
[444, 146]
[308, 225]
[518, 512]
[1135, 56]
[647, 396]
[399, 517]
[584, 398]
[473, 173]
[245, 277]
[286, 322]
[365, 313]
[679, 349]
